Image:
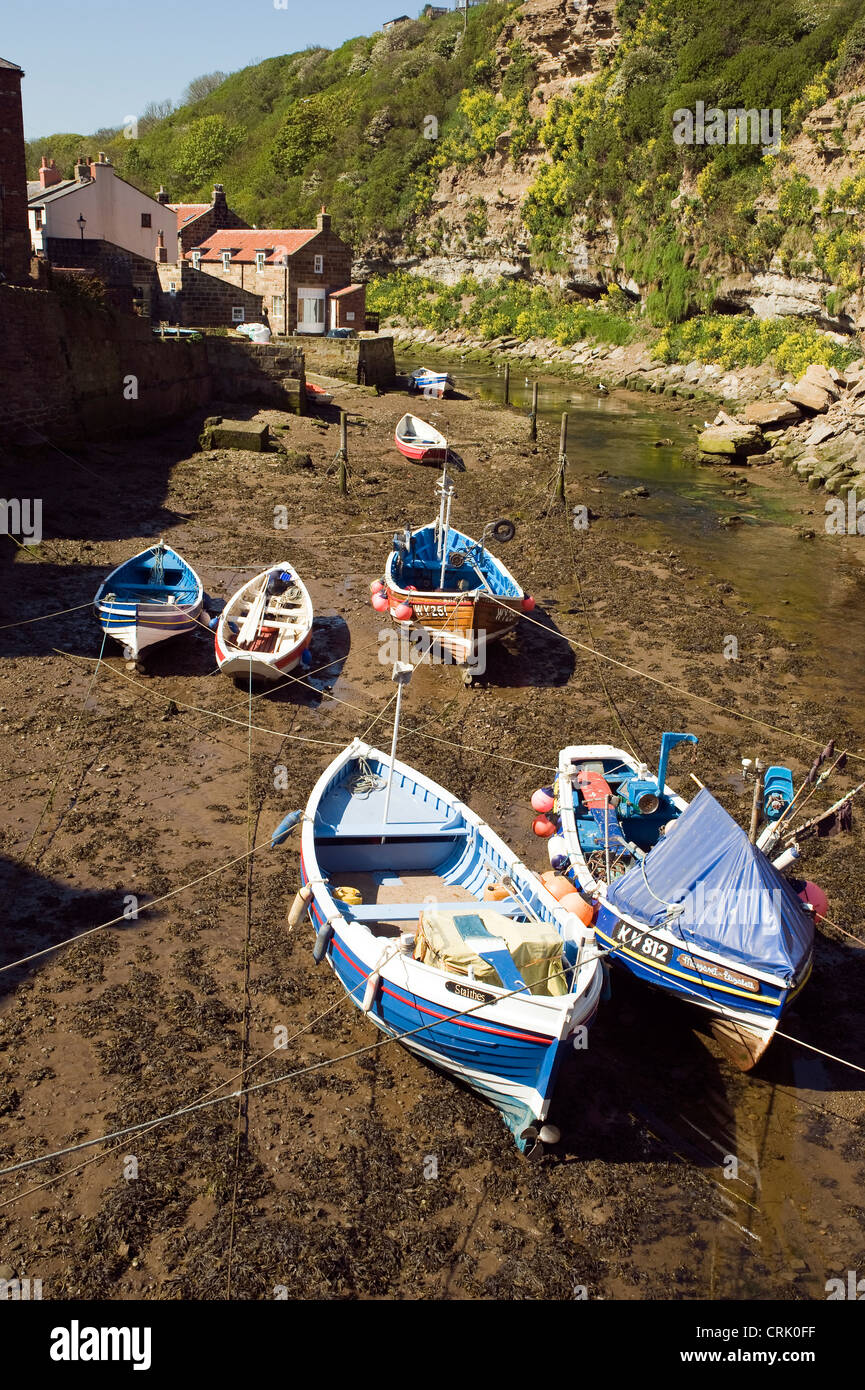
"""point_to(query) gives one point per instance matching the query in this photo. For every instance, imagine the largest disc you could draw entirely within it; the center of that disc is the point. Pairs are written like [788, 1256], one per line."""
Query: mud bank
[119, 789]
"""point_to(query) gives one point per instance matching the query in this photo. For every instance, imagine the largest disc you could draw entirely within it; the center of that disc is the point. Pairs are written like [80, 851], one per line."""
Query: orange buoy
[379, 602]
[576, 903]
[543, 827]
[556, 884]
[402, 612]
[528, 604]
[376, 586]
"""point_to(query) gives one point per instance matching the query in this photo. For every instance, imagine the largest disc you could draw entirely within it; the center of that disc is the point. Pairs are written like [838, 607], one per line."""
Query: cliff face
[474, 222]
[568, 41]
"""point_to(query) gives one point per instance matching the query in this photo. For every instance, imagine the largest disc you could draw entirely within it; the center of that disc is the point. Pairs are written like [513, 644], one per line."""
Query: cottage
[392, 23]
[197, 221]
[97, 221]
[297, 279]
[435, 11]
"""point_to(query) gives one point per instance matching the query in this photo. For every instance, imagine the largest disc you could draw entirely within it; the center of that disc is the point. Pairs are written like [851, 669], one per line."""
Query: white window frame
[226, 260]
[196, 260]
[277, 306]
[319, 265]
[238, 313]
[260, 257]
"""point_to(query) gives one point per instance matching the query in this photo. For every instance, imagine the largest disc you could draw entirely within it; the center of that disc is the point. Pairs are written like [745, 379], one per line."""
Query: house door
[311, 311]
[334, 313]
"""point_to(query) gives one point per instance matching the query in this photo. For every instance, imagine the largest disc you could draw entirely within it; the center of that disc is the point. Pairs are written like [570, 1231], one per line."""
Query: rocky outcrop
[825, 450]
[731, 439]
[772, 415]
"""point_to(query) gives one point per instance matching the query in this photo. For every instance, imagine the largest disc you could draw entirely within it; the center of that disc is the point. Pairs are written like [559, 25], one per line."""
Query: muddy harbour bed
[377, 1175]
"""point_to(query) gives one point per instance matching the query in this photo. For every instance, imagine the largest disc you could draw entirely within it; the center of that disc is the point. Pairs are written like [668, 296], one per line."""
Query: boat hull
[433, 385]
[263, 667]
[137, 626]
[456, 622]
[742, 1016]
[508, 1047]
[422, 453]
[289, 630]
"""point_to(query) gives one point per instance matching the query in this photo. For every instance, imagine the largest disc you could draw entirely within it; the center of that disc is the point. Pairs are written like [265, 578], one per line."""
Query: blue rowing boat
[442, 937]
[148, 599]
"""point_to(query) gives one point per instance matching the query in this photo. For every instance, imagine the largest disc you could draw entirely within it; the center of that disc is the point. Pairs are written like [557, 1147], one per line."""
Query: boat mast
[402, 674]
[445, 489]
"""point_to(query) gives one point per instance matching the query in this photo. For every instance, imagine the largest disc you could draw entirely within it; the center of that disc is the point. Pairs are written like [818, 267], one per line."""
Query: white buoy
[550, 1134]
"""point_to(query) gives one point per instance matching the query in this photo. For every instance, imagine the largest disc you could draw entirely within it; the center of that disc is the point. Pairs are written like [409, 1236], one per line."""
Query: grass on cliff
[505, 308]
[509, 308]
[612, 156]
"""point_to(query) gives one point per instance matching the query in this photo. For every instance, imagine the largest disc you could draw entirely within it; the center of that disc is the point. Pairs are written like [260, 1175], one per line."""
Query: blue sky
[92, 63]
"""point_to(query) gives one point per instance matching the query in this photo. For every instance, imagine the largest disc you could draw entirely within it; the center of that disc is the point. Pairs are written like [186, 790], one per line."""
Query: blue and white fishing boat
[685, 901]
[442, 937]
[430, 383]
[153, 596]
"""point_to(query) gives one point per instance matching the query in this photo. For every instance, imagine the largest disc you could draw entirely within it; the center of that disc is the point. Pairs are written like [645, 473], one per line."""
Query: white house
[97, 205]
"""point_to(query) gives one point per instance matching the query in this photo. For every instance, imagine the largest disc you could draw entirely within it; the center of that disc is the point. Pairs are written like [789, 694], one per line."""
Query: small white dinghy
[266, 626]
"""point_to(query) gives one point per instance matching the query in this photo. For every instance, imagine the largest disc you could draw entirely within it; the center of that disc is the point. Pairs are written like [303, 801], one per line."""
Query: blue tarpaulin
[733, 901]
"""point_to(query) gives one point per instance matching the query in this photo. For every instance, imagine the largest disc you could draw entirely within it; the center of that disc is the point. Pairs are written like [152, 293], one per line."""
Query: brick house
[197, 221]
[288, 277]
[14, 234]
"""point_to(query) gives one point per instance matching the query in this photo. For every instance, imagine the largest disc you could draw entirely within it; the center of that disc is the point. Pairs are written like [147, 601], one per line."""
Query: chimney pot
[49, 174]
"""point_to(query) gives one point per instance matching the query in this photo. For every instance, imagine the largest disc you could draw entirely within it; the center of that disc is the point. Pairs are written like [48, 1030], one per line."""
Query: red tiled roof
[187, 212]
[244, 244]
[349, 289]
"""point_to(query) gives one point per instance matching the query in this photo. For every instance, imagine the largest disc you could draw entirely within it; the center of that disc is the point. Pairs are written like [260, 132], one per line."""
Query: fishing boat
[441, 582]
[420, 442]
[153, 596]
[266, 627]
[685, 901]
[441, 936]
[431, 383]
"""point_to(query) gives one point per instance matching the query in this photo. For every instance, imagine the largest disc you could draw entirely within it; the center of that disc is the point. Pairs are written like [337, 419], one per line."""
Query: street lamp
[82, 223]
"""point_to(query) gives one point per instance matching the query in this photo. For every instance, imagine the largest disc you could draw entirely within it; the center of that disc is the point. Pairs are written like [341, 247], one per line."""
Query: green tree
[208, 142]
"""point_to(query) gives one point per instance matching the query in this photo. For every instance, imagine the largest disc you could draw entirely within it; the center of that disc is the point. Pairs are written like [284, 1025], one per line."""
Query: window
[259, 259]
[226, 260]
[319, 265]
[145, 219]
[172, 285]
[38, 218]
[196, 259]
[349, 318]
[277, 305]
[237, 314]
[310, 311]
